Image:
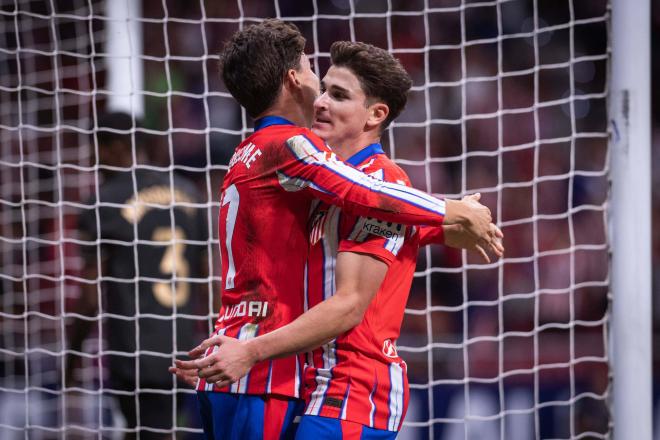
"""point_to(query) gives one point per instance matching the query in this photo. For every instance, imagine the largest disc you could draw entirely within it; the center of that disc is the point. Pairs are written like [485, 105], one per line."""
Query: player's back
[149, 232]
[264, 249]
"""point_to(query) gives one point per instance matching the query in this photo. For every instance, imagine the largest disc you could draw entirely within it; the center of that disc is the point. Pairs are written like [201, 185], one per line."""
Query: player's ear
[378, 112]
[292, 79]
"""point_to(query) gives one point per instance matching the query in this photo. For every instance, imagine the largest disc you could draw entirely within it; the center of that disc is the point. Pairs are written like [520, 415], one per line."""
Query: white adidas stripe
[307, 152]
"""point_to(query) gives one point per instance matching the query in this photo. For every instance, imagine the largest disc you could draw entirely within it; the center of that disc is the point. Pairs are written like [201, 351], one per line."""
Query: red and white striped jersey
[359, 376]
[267, 194]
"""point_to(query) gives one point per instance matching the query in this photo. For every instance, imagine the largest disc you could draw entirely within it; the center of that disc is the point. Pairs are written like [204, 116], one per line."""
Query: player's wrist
[456, 212]
[254, 349]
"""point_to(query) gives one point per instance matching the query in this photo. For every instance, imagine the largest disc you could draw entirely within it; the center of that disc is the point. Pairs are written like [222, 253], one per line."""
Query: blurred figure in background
[144, 245]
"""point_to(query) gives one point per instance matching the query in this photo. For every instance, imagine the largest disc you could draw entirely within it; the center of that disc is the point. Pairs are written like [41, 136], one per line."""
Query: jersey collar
[364, 153]
[267, 121]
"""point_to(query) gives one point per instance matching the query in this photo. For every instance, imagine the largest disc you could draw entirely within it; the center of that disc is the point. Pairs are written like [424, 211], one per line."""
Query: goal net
[509, 100]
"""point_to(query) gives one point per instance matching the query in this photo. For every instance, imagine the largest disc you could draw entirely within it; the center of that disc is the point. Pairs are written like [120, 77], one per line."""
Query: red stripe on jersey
[365, 359]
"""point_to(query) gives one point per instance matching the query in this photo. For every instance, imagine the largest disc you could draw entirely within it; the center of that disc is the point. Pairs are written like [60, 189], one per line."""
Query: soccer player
[356, 381]
[274, 178]
[136, 242]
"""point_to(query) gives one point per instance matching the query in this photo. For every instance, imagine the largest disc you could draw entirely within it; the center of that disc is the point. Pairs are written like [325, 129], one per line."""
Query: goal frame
[630, 219]
[630, 152]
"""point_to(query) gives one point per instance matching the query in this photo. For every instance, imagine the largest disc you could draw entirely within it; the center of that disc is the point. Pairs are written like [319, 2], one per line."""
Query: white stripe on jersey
[248, 331]
[367, 165]
[293, 184]
[345, 405]
[394, 244]
[209, 386]
[330, 247]
[297, 379]
[269, 380]
[378, 174]
[323, 377]
[373, 406]
[307, 152]
[396, 396]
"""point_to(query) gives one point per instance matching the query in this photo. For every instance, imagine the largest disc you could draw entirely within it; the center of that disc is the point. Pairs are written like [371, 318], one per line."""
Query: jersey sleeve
[313, 167]
[431, 235]
[378, 238]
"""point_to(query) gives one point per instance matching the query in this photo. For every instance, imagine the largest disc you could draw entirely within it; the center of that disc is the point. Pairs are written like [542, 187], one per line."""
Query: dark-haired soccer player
[272, 183]
[141, 232]
[359, 269]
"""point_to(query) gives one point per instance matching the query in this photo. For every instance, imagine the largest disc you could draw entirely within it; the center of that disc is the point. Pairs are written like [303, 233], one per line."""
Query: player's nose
[321, 102]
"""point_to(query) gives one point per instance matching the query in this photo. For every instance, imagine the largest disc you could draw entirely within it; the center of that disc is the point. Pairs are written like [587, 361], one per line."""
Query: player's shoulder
[282, 132]
[290, 136]
[383, 168]
[307, 136]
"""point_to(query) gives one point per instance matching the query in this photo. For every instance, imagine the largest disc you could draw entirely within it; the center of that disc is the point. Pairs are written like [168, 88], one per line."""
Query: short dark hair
[255, 60]
[118, 126]
[381, 75]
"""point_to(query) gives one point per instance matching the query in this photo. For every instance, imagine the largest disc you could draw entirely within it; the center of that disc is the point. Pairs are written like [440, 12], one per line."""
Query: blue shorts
[227, 416]
[326, 428]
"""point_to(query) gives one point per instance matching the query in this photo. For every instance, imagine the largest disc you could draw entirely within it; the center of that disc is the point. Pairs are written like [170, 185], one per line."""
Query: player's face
[341, 112]
[310, 83]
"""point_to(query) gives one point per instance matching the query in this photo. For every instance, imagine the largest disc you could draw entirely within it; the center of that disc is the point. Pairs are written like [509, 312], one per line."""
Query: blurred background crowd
[507, 101]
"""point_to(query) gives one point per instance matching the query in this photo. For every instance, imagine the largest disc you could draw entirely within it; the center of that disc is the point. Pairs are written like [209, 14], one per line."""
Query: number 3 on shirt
[231, 198]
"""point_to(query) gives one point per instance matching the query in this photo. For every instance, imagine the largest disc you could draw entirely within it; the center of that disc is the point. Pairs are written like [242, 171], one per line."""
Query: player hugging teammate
[296, 234]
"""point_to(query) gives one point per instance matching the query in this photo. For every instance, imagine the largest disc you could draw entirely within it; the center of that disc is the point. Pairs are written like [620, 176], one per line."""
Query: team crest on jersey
[389, 349]
[318, 222]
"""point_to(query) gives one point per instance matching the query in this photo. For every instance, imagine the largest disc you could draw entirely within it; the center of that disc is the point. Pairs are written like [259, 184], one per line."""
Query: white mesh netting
[509, 99]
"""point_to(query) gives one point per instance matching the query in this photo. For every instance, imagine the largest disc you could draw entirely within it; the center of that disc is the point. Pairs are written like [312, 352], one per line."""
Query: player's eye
[339, 96]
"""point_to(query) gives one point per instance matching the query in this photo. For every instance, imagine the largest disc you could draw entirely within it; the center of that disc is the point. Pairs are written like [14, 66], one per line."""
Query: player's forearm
[456, 212]
[320, 324]
[316, 169]
[390, 202]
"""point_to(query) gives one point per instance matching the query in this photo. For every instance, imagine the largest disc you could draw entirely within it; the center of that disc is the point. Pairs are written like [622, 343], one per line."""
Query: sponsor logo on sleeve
[382, 228]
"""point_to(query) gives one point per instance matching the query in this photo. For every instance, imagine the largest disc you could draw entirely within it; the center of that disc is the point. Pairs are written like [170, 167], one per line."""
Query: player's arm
[312, 166]
[358, 279]
[457, 236]
[432, 234]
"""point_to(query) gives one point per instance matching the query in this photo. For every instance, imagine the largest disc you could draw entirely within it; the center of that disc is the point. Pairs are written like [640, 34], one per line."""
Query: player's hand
[474, 217]
[478, 216]
[457, 237]
[185, 370]
[184, 375]
[229, 361]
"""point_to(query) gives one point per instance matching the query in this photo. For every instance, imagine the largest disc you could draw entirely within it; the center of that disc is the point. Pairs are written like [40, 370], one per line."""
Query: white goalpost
[542, 106]
[630, 113]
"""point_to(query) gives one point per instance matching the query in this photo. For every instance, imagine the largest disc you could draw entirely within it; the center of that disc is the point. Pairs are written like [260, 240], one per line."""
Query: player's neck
[287, 108]
[349, 147]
